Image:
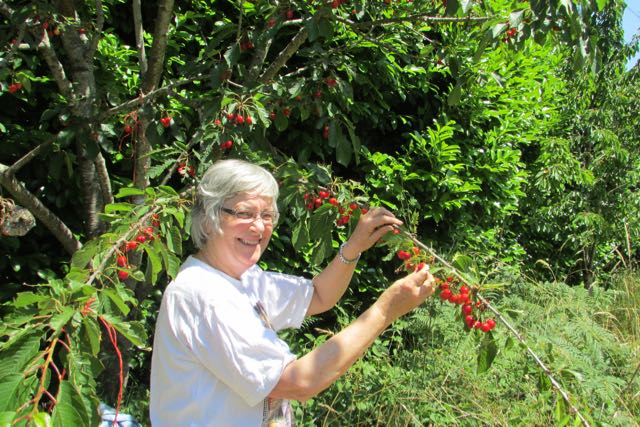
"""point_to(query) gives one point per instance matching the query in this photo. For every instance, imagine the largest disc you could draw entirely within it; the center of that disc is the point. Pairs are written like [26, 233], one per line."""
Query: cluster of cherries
[446, 289]
[510, 33]
[145, 234]
[314, 201]
[184, 170]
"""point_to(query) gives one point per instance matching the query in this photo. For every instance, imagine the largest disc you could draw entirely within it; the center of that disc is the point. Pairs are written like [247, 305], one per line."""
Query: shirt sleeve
[286, 298]
[230, 340]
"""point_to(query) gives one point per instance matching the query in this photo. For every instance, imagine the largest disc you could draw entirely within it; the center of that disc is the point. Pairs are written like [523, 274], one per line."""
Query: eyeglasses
[267, 217]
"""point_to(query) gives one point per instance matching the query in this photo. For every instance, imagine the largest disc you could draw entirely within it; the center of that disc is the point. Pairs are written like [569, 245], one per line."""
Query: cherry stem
[495, 311]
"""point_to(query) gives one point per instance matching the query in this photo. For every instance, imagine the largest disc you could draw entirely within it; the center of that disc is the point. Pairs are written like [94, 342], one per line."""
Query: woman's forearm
[306, 377]
[331, 283]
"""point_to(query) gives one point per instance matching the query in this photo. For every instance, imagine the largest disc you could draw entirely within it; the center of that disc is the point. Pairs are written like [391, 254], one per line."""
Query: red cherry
[286, 112]
[127, 129]
[15, 87]
[445, 294]
[334, 201]
[249, 120]
[364, 211]
[464, 289]
[325, 132]
[317, 202]
[123, 275]
[491, 323]
[272, 115]
[467, 309]
[141, 238]
[420, 266]
[317, 93]
[121, 261]
[239, 119]
[226, 145]
[217, 122]
[416, 250]
[271, 23]
[485, 327]
[166, 121]
[444, 285]
[403, 255]
[131, 246]
[335, 4]
[330, 81]
[323, 194]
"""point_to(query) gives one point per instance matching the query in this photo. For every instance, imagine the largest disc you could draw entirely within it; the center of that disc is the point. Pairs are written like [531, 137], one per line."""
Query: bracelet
[345, 260]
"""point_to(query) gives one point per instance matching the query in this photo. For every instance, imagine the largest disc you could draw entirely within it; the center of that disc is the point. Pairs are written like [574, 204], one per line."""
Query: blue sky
[631, 23]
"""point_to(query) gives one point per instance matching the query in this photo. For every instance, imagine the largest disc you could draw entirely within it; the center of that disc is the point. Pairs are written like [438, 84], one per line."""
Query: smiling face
[242, 242]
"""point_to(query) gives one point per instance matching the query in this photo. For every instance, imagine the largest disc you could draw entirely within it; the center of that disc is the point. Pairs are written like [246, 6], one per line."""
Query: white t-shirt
[214, 361]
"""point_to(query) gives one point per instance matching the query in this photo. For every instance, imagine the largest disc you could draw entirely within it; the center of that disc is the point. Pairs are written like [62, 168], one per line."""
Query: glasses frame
[255, 215]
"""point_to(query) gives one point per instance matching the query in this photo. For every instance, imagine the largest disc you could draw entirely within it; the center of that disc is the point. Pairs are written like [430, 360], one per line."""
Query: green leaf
[300, 235]
[70, 409]
[19, 351]
[10, 389]
[452, 8]
[454, 96]
[118, 207]
[117, 300]
[42, 419]
[134, 332]
[128, 192]
[82, 257]
[6, 418]
[232, 55]
[90, 333]
[58, 321]
[344, 150]
[154, 259]
[486, 353]
[27, 298]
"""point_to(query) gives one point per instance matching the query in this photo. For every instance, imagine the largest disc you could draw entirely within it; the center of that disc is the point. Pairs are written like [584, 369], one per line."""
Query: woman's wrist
[347, 255]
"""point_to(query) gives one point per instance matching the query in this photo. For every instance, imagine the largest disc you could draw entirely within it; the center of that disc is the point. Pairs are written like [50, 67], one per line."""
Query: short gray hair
[224, 180]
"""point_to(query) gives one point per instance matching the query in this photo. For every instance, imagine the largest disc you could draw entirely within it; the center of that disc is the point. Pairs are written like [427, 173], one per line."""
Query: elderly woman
[217, 359]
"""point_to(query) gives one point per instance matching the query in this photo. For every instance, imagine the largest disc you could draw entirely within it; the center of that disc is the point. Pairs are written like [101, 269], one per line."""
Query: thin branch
[137, 25]
[284, 56]
[129, 105]
[504, 321]
[421, 17]
[14, 168]
[40, 211]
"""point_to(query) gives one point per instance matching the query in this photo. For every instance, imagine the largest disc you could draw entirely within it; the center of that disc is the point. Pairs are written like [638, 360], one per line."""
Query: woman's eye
[244, 214]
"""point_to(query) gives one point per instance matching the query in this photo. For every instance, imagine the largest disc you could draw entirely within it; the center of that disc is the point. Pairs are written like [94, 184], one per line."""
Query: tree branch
[97, 33]
[151, 78]
[14, 168]
[40, 211]
[129, 105]
[284, 56]
[137, 25]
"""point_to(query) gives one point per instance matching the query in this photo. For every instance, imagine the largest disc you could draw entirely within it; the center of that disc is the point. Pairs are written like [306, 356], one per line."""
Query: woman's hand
[370, 228]
[406, 294]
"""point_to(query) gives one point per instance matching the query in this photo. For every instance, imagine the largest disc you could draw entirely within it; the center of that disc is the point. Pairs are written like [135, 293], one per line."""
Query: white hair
[224, 180]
